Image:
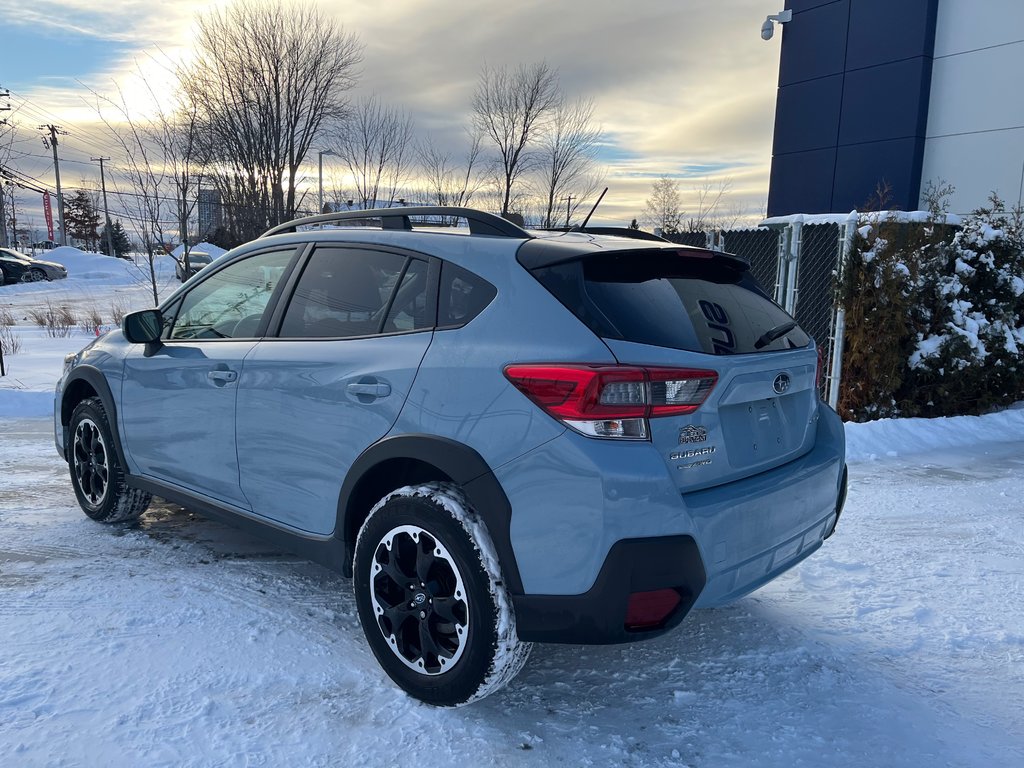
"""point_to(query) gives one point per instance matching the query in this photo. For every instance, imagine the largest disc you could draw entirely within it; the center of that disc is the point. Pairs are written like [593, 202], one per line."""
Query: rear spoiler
[632, 234]
[542, 252]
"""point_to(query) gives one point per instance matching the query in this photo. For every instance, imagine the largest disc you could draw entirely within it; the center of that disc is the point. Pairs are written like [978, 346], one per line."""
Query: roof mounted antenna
[599, 199]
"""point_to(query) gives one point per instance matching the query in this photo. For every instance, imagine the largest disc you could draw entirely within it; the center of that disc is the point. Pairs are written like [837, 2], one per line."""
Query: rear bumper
[583, 509]
[599, 615]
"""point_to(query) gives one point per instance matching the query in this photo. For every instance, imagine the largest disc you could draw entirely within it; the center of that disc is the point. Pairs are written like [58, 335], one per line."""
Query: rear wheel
[431, 598]
[96, 473]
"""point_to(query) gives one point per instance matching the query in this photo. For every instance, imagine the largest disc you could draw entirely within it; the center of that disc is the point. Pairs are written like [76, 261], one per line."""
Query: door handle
[220, 376]
[377, 389]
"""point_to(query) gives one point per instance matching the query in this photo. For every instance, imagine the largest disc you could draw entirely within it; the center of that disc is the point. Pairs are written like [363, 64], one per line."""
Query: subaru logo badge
[781, 383]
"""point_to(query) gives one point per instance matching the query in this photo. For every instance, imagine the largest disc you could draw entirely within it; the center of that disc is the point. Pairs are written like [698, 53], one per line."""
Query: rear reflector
[612, 392]
[648, 610]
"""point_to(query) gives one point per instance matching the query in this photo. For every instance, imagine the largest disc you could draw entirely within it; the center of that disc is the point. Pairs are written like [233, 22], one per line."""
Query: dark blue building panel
[814, 43]
[808, 177]
[807, 115]
[862, 169]
[854, 81]
[883, 31]
[889, 101]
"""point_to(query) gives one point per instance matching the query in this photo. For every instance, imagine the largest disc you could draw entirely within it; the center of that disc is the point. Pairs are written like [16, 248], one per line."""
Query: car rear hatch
[682, 314]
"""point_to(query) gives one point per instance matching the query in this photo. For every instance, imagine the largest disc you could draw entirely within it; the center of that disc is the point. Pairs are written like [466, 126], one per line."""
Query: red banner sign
[49, 216]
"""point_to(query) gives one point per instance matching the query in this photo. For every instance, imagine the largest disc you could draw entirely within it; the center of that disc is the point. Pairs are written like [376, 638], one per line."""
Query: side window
[170, 314]
[410, 309]
[230, 303]
[343, 292]
[462, 296]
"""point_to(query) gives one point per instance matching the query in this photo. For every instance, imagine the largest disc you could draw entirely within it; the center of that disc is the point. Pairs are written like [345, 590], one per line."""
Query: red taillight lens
[821, 368]
[587, 394]
[582, 392]
[648, 610]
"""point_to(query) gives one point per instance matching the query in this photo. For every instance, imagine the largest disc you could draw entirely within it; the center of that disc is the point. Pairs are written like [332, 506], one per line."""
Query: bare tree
[269, 79]
[714, 210]
[181, 138]
[448, 181]
[566, 159]
[142, 189]
[662, 210]
[509, 108]
[375, 144]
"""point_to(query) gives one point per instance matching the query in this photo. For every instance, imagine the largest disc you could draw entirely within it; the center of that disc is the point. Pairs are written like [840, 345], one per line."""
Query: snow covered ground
[179, 641]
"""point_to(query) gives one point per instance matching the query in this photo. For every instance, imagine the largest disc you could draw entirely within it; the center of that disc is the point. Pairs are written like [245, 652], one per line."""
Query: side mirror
[143, 327]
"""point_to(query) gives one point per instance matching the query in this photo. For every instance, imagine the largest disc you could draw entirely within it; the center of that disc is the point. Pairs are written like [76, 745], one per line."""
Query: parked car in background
[17, 267]
[196, 261]
[504, 436]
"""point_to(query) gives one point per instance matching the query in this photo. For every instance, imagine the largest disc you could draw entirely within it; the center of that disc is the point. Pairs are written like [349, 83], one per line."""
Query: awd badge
[692, 434]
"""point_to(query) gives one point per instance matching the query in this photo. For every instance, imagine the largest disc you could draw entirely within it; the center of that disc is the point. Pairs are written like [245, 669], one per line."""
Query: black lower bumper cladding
[599, 615]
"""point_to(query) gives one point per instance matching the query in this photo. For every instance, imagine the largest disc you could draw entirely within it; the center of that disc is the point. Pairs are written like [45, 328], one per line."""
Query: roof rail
[633, 234]
[480, 223]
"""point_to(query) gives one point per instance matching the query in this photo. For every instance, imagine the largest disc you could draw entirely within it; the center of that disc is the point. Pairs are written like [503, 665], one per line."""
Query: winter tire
[35, 275]
[96, 473]
[431, 598]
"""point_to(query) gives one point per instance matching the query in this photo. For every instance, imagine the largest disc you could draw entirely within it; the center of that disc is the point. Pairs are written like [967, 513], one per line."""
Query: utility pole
[320, 158]
[3, 216]
[568, 209]
[51, 143]
[14, 220]
[106, 210]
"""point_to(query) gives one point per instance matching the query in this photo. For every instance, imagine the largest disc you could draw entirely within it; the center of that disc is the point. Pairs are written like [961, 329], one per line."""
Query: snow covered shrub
[9, 343]
[58, 321]
[91, 320]
[878, 290]
[968, 352]
[118, 309]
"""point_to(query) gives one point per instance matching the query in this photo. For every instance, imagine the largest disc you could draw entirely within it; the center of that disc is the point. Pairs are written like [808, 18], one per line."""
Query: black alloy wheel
[433, 606]
[97, 475]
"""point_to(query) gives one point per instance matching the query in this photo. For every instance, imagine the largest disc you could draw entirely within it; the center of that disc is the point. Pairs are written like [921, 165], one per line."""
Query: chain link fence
[797, 265]
[761, 248]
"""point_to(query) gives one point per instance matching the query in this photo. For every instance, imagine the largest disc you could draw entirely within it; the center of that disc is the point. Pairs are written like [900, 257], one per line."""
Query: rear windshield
[668, 300]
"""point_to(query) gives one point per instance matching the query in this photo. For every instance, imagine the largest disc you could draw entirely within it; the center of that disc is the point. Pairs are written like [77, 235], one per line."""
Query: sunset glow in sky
[684, 89]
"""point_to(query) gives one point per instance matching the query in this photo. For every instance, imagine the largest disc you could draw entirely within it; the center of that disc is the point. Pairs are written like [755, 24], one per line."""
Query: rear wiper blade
[777, 332]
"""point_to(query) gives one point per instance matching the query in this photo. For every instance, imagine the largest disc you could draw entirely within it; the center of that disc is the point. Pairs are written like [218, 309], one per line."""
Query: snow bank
[894, 437]
[101, 268]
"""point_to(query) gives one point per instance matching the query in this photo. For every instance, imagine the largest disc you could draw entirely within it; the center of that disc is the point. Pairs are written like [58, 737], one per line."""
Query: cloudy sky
[684, 88]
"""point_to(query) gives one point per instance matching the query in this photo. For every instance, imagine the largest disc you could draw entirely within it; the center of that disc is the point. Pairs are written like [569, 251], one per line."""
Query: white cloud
[679, 87]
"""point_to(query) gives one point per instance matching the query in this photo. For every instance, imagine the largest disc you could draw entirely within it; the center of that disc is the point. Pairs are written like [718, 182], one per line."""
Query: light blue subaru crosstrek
[504, 436]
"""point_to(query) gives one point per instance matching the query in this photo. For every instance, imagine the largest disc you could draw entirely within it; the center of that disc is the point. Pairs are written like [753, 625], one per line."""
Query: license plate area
[763, 431]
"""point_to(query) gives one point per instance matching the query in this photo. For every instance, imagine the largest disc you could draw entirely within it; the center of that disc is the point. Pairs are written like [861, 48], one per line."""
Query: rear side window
[462, 296]
[668, 300]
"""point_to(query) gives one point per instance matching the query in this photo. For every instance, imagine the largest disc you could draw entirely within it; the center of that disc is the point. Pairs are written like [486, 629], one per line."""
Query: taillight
[612, 400]
[821, 369]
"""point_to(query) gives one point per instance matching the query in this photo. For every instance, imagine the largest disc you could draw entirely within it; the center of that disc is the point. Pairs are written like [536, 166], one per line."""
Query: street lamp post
[320, 161]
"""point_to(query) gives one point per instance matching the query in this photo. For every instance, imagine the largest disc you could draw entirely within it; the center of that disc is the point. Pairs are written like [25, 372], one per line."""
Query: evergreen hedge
[934, 316]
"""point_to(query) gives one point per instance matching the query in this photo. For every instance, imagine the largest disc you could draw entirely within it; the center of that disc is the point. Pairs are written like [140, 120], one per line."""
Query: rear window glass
[673, 301]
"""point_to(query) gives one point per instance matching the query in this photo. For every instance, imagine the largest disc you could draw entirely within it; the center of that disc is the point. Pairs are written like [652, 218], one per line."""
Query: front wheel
[431, 597]
[96, 472]
[35, 275]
